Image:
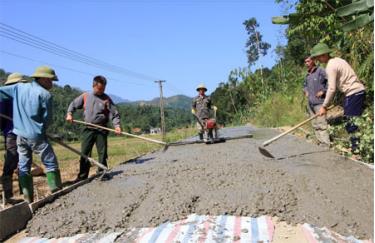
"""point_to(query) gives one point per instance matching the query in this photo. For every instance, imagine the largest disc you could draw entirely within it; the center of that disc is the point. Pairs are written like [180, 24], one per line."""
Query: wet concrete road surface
[318, 187]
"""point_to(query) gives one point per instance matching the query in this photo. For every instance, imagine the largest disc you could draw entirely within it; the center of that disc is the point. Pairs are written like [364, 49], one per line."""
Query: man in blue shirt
[10, 139]
[315, 88]
[32, 111]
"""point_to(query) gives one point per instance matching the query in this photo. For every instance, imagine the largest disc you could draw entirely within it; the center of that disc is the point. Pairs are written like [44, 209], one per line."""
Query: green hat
[15, 78]
[45, 72]
[201, 86]
[320, 49]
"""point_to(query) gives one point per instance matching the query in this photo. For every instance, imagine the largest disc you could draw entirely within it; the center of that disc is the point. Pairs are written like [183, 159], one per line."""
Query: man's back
[31, 108]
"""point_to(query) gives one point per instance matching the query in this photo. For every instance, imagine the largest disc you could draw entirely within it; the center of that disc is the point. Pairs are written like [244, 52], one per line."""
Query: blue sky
[184, 42]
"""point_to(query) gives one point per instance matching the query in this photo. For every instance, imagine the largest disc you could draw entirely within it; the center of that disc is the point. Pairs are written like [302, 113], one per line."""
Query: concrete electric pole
[162, 121]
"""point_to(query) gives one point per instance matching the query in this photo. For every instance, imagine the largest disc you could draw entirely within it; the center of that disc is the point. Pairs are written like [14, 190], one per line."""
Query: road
[312, 185]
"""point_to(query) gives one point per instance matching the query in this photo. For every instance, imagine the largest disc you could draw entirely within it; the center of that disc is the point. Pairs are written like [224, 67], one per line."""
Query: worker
[32, 111]
[201, 108]
[10, 140]
[98, 108]
[341, 76]
[315, 87]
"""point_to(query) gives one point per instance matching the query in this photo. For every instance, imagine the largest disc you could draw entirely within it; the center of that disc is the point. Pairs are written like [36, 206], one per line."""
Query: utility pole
[162, 121]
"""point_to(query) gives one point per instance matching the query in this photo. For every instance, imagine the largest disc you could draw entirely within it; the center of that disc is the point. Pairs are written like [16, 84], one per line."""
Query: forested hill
[133, 115]
[176, 102]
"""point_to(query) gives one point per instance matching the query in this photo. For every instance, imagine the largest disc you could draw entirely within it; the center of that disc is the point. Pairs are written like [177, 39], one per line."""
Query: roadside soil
[307, 184]
[41, 189]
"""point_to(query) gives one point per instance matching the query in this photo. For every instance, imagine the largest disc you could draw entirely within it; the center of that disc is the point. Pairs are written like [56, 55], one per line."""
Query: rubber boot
[54, 180]
[19, 187]
[7, 186]
[200, 136]
[26, 183]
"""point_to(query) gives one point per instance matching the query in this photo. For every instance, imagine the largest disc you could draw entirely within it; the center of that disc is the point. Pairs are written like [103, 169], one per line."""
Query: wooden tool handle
[124, 133]
[91, 160]
[293, 128]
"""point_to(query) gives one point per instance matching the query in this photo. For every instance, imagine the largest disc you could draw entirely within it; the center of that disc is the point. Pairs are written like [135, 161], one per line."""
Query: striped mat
[315, 234]
[195, 228]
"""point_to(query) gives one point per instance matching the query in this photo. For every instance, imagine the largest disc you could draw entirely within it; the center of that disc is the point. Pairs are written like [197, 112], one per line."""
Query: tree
[255, 46]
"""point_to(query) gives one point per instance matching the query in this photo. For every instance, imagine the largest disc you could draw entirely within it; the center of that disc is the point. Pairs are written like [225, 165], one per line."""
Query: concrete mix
[313, 186]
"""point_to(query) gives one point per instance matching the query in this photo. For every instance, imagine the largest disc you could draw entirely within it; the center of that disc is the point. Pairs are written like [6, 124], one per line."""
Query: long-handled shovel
[265, 152]
[124, 133]
[91, 160]
[199, 121]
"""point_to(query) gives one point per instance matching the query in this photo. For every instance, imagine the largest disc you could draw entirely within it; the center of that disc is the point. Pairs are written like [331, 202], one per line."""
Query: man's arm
[305, 87]
[77, 103]
[194, 106]
[7, 92]
[331, 90]
[209, 103]
[324, 80]
[115, 116]
[323, 83]
[47, 110]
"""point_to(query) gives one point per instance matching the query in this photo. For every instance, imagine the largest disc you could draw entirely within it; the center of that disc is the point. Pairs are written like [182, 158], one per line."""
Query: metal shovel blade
[265, 152]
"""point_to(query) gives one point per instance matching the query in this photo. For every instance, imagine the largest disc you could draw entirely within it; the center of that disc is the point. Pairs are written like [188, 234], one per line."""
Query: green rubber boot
[26, 183]
[54, 180]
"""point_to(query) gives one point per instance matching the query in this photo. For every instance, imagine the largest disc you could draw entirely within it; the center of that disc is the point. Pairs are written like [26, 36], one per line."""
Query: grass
[279, 110]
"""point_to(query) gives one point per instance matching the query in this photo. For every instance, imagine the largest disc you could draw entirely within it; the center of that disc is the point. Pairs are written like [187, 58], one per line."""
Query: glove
[193, 111]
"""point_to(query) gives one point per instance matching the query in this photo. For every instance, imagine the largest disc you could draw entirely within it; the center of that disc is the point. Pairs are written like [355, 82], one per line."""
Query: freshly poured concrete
[312, 185]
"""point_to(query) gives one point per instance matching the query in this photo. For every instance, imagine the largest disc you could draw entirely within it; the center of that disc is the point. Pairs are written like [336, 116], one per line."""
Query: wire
[65, 55]
[20, 36]
[25, 38]
[63, 67]
[171, 87]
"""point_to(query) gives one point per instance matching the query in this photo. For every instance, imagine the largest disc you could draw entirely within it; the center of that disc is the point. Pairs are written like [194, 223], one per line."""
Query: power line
[47, 49]
[23, 37]
[65, 55]
[169, 87]
[61, 49]
[63, 67]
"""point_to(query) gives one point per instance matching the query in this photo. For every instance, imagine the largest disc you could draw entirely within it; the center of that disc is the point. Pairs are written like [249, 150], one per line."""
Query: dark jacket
[315, 81]
[6, 108]
[202, 104]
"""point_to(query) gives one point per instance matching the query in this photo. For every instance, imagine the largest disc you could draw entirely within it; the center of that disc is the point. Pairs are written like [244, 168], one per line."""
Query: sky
[185, 42]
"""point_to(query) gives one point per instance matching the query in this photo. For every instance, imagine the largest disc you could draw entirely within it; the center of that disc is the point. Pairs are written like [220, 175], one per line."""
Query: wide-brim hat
[320, 49]
[201, 86]
[15, 78]
[45, 72]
